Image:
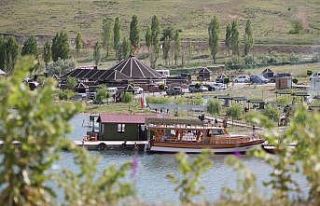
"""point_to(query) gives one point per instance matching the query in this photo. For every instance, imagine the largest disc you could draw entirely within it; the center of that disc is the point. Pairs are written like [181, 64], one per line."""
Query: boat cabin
[122, 127]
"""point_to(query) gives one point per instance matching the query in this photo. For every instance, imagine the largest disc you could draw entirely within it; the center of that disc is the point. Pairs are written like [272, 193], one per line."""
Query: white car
[217, 86]
[137, 90]
[242, 79]
[112, 90]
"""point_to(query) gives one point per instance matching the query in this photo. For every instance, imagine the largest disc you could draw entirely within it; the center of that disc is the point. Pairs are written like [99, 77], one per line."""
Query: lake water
[150, 178]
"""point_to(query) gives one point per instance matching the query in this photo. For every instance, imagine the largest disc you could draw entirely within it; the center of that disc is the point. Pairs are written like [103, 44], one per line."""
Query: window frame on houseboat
[121, 128]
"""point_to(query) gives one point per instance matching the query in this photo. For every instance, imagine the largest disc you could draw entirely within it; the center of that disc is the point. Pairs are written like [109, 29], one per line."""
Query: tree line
[114, 41]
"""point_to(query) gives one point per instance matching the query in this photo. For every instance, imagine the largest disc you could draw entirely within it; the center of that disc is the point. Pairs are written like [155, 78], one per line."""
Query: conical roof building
[135, 69]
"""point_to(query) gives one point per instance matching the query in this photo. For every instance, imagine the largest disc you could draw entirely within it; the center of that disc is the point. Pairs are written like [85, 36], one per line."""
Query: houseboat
[194, 136]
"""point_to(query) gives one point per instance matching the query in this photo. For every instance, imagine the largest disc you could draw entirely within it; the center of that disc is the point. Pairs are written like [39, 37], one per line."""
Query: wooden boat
[194, 136]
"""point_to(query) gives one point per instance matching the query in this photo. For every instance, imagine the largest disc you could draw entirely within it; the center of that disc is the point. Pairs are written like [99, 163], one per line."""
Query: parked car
[137, 90]
[175, 91]
[258, 79]
[91, 95]
[242, 79]
[112, 90]
[216, 86]
[197, 88]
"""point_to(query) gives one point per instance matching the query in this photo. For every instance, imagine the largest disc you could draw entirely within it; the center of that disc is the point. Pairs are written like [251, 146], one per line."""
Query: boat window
[121, 127]
[217, 132]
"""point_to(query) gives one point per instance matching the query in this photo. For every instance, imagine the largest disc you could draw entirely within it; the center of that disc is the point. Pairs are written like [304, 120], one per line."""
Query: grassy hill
[271, 18]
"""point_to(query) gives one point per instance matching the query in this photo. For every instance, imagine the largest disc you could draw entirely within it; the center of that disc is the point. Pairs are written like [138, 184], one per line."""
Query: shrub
[295, 80]
[127, 97]
[214, 107]
[297, 27]
[65, 94]
[71, 83]
[309, 72]
[272, 113]
[102, 94]
[235, 111]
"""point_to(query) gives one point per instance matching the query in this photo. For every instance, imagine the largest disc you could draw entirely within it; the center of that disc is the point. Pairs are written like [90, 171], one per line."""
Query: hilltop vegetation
[272, 20]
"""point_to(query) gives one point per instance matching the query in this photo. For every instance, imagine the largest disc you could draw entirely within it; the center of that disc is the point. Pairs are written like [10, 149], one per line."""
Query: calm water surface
[150, 178]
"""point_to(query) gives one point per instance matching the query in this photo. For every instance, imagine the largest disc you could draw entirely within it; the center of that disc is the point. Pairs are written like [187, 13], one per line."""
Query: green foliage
[46, 55]
[102, 94]
[177, 46]
[66, 94]
[309, 72]
[30, 47]
[39, 125]
[116, 33]
[97, 53]
[79, 43]
[123, 50]
[127, 97]
[235, 111]
[248, 38]
[157, 100]
[283, 101]
[166, 38]
[107, 34]
[87, 188]
[187, 183]
[214, 31]
[9, 51]
[134, 34]
[228, 37]
[155, 41]
[297, 27]
[60, 67]
[148, 37]
[60, 46]
[214, 107]
[234, 38]
[71, 83]
[295, 81]
[272, 113]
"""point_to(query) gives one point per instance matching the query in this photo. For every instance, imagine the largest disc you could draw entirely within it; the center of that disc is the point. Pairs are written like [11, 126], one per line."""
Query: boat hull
[230, 150]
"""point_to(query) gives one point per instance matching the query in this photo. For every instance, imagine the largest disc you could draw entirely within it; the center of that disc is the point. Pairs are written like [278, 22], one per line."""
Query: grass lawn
[271, 19]
[133, 107]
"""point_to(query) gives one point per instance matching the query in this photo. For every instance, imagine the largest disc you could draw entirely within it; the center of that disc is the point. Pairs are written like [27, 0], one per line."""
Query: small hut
[283, 81]
[314, 89]
[204, 74]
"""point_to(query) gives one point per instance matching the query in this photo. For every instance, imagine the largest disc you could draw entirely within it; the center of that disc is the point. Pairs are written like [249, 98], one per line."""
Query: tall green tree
[11, 53]
[60, 46]
[97, 53]
[167, 35]
[228, 37]
[148, 38]
[214, 31]
[177, 46]
[134, 34]
[107, 34]
[116, 33]
[2, 52]
[125, 48]
[30, 47]
[155, 41]
[235, 38]
[46, 55]
[79, 43]
[248, 38]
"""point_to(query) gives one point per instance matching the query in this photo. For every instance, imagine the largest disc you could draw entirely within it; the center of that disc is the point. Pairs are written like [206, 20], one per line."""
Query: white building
[314, 89]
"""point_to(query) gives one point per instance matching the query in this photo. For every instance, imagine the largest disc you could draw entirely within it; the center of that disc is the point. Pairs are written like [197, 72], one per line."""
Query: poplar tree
[60, 46]
[125, 48]
[11, 53]
[116, 33]
[155, 41]
[97, 53]
[177, 46]
[228, 38]
[148, 38]
[107, 35]
[79, 43]
[2, 53]
[214, 30]
[46, 53]
[166, 44]
[134, 34]
[248, 38]
[30, 47]
[235, 38]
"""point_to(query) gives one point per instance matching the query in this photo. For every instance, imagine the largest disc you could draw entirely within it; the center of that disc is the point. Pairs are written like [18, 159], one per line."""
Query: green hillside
[271, 18]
